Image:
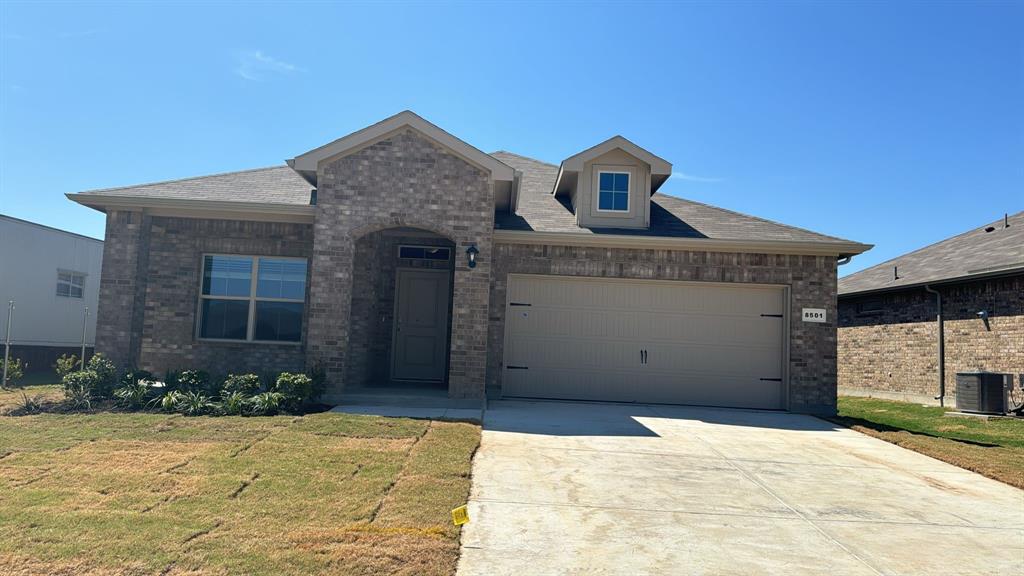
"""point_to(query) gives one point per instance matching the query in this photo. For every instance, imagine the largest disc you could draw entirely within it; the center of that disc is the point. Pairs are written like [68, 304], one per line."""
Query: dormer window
[613, 191]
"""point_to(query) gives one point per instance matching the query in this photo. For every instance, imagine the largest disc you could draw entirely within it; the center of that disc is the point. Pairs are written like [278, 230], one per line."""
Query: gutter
[217, 209]
[941, 344]
[838, 249]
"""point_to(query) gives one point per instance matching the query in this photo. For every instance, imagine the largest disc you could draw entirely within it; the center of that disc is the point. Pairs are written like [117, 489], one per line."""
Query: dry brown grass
[127, 494]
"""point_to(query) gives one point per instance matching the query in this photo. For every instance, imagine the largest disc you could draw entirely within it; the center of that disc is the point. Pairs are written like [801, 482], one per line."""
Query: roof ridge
[186, 179]
[745, 215]
[932, 245]
[524, 157]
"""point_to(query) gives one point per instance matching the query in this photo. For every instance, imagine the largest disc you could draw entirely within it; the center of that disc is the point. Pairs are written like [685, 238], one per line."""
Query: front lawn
[143, 493]
[994, 448]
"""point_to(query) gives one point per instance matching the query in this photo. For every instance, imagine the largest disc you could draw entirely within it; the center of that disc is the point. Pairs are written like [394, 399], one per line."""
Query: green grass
[119, 493]
[994, 448]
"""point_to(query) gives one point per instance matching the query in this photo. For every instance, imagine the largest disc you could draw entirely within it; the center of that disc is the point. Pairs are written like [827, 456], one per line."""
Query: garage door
[644, 341]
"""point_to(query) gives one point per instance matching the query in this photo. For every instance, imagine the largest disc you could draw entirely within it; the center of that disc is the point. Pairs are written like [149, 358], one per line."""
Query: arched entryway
[400, 320]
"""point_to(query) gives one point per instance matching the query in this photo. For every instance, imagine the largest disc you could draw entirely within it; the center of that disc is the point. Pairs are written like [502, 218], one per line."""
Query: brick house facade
[345, 210]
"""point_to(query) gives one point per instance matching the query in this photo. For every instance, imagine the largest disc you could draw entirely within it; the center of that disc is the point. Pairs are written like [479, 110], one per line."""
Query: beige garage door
[644, 341]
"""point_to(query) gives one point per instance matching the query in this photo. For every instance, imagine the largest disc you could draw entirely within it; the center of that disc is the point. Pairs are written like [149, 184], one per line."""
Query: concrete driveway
[576, 488]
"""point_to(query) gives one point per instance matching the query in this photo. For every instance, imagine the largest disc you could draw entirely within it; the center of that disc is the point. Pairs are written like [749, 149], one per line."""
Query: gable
[306, 164]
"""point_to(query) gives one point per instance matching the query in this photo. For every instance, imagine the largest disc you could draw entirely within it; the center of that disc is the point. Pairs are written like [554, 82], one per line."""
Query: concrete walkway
[574, 488]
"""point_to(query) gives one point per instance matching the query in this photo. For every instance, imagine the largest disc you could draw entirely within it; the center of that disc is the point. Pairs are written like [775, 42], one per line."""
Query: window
[252, 298]
[613, 191]
[424, 253]
[70, 284]
[873, 306]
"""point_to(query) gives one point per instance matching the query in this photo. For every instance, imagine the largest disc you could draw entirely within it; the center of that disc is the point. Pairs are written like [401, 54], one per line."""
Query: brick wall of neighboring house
[154, 311]
[887, 342]
[812, 281]
[402, 180]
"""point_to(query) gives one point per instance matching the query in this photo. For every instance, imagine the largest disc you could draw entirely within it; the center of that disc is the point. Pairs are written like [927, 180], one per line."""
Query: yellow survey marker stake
[460, 516]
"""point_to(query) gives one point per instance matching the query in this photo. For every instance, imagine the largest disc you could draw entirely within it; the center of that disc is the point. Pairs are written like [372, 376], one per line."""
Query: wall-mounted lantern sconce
[471, 253]
[984, 318]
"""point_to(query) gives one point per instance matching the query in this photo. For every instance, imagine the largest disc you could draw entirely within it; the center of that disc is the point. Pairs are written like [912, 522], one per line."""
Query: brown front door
[420, 343]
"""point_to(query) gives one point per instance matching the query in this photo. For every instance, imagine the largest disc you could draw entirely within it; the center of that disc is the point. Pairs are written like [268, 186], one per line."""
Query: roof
[271, 185]
[540, 211]
[973, 254]
[50, 228]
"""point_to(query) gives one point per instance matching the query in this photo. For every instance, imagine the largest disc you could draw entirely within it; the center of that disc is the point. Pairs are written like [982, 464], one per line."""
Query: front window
[70, 284]
[613, 191]
[252, 298]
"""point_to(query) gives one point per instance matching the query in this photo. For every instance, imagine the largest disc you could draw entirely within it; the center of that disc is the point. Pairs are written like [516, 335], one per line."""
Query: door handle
[643, 356]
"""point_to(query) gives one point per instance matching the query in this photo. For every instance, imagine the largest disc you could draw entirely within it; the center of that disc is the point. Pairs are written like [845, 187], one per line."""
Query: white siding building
[52, 276]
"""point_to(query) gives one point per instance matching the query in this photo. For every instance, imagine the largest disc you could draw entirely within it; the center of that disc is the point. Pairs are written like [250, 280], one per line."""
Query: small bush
[79, 386]
[31, 404]
[193, 381]
[15, 370]
[295, 389]
[106, 376]
[265, 404]
[134, 376]
[247, 384]
[233, 403]
[66, 364]
[194, 403]
[169, 402]
[133, 394]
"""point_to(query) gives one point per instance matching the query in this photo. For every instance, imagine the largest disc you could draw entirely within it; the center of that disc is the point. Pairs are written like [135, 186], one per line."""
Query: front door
[420, 342]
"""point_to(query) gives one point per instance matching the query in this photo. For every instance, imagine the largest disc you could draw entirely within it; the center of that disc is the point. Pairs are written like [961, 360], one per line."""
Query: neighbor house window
[873, 306]
[70, 284]
[252, 298]
[613, 191]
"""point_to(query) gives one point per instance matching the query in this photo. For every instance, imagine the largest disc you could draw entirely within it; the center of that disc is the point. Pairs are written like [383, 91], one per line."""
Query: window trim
[630, 171]
[250, 329]
[70, 283]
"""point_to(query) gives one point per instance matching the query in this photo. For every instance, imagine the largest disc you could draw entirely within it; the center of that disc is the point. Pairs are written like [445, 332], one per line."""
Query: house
[401, 254]
[907, 326]
[52, 276]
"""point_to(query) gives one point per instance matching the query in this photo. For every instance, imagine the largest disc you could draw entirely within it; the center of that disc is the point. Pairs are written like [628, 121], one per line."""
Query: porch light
[471, 253]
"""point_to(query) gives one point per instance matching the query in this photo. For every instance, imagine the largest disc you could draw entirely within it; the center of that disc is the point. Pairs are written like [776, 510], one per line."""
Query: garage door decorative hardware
[519, 304]
[771, 315]
[643, 356]
[518, 367]
[771, 379]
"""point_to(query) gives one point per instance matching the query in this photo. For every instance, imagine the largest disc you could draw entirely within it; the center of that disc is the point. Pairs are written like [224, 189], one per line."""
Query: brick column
[122, 287]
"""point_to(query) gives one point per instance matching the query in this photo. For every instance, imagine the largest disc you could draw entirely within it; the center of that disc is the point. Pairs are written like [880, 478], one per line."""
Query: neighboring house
[52, 276]
[889, 315]
[400, 254]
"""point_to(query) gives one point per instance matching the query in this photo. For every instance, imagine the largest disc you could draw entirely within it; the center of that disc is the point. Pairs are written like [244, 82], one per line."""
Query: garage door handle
[643, 356]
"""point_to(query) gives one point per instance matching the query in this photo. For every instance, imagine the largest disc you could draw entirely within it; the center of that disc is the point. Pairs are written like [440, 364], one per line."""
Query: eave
[214, 209]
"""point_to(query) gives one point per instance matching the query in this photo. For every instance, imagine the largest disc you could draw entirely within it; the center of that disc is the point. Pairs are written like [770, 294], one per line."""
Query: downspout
[941, 345]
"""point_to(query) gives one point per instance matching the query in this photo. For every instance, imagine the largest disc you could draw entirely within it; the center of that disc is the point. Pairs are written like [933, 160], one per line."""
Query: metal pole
[7, 341]
[85, 326]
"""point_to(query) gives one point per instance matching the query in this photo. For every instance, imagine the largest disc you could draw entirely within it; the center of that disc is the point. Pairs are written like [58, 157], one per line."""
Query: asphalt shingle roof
[272, 185]
[540, 211]
[975, 252]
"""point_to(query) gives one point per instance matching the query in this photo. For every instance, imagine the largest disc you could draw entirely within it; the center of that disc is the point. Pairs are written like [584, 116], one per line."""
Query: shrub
[133, 394]
[318, 376]
[169, 402]
[31, 404]
[233, 403]
[247, 384]
[194, 403]
[295, 389]
[134, 376]
[79, 386]
[65, 365]
[15, 370]
[106, 376]
[193, 381]
[265, 404]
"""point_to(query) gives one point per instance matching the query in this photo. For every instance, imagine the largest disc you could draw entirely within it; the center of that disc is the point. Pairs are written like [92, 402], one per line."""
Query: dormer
[610, 185]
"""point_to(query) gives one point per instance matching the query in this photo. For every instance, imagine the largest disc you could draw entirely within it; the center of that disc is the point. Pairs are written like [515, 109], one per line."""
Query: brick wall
[122, 287]
[812, 281]
[892, 352]
[402, 180]
[176, 246]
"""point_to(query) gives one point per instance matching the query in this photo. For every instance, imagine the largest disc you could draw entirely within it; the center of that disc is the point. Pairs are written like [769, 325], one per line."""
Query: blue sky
[891, 124]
